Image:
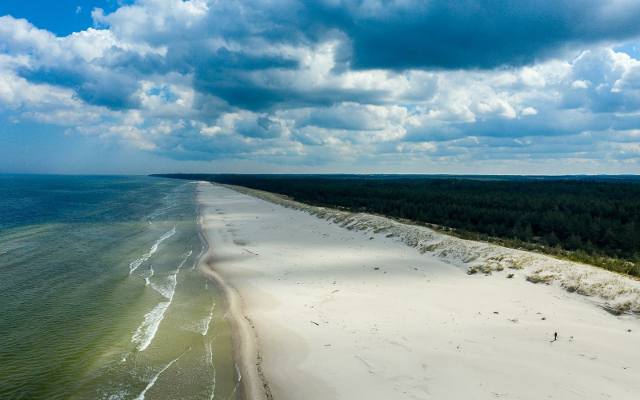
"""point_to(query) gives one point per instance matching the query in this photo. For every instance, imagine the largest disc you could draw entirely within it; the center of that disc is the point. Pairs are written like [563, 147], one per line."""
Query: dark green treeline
[589, 217]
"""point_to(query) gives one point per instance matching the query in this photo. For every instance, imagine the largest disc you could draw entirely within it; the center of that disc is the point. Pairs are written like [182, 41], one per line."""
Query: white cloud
[195, 83]
[580, 84]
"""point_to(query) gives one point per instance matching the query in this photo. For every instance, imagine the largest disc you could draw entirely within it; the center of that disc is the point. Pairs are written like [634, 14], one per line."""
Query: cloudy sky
[476, 86]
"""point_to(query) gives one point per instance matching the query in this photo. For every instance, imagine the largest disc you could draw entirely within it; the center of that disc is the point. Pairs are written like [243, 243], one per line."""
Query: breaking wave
[141, 260]
[155, 378]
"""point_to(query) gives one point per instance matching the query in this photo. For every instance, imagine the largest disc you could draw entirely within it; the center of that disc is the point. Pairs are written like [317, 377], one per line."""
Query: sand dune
[387, 311]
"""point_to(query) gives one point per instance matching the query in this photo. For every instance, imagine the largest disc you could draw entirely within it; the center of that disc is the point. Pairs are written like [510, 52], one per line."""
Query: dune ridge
[614, 292]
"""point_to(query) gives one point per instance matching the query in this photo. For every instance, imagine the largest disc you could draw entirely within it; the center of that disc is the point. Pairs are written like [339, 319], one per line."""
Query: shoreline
[251, 382]
[328, 305]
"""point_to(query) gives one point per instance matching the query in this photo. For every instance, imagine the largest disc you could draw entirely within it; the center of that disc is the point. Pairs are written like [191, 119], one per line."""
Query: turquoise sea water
[99, 294]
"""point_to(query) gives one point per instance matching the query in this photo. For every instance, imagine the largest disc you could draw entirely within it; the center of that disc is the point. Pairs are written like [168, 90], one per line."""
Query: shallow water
[99, 294]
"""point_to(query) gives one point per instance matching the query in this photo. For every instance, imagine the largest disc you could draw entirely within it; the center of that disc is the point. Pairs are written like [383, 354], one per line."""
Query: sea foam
[206, 322]
[143, 336]
[168, 288]
[146, 332]
[147, 279]
[139, 261]
[155, 378]
[209, 350]
[184, 260]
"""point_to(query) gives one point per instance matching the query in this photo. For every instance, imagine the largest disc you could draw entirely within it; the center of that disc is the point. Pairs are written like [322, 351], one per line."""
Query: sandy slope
[349, 314]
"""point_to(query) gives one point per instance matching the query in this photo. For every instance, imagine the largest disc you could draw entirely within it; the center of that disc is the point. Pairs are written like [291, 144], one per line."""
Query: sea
[100, 293]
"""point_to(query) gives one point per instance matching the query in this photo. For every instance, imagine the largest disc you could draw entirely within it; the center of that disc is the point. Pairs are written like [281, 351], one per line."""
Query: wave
[208, 346]
[209, 349]
[139, 261]
[168, 288]
[184, 260]
[146, 332]
[121, 394]
[169, 202]
[147, 280]
[155, 378]
[143, 336]
[158, 213]
[206, 322]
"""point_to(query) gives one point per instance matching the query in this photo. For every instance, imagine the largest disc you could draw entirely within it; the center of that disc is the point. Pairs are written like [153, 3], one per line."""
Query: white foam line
[120, 395]
[139, 261]
[209, 348]
[184, 260]
[155, 378]
[168, 289]
[146, 332]
[143, 336]
[213, 383]
[207, 320]
[238, 372]
[147, 280]
[213, 386]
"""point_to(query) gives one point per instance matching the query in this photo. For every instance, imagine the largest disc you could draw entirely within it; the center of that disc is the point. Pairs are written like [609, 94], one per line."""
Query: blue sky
[61, 17]
[406, 86]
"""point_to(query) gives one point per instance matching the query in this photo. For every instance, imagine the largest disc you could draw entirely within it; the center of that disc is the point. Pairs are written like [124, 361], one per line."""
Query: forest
[594, 220]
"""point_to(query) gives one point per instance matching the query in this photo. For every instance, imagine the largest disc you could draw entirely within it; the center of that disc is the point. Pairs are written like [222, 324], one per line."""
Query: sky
[320, 86]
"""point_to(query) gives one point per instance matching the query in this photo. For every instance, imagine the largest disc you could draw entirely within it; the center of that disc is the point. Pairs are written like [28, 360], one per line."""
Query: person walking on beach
[555, 336]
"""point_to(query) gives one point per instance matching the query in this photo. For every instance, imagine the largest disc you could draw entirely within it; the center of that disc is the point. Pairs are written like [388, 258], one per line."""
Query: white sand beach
[337, 313]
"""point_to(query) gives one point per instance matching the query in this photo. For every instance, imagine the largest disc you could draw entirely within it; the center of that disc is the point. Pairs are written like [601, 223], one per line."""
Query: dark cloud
[473, 33]
[350, 117]
[397, 35]
[111, 91]
[416, 34]
[240, 90]
[137, 64]
[262, 127]
[101, 87]
[54, 75]
[551, 123]
[223, 59]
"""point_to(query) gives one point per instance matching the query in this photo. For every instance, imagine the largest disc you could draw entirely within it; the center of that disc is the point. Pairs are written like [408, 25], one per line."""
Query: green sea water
[100, 297]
